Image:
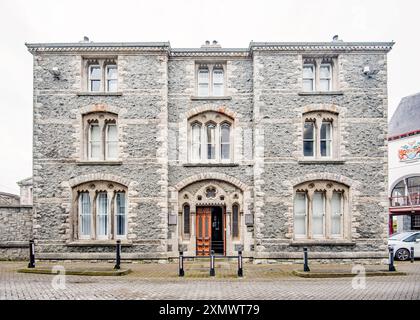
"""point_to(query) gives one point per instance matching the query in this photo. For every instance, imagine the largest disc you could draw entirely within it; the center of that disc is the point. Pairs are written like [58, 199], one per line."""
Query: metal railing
[212, 257]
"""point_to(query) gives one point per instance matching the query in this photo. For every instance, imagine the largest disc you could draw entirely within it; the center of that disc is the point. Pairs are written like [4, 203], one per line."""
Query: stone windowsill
[207, 165]
[95, 94]
[99, 163]
[98, 243]
[196, 98]
[327, 242]
[321, 161]
[321, 93]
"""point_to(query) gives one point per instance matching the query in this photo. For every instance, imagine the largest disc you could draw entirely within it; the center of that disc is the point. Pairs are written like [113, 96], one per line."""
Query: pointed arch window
[100, 137]
[320, 210]
[187, 220]
[196, 141]
[321, 135]
[101, 211]
[225, 141]
[210, 138]
[211, 141]
[235, 221]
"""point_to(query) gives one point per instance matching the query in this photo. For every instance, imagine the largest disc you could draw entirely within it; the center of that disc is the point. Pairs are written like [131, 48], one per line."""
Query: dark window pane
[308, 148]
[323, 148]
[235, 221]
[186, 219]
[308, 131]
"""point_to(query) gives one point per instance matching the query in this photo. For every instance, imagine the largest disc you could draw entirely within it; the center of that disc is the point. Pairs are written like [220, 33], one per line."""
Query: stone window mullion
[327, 223]
[92, 196]
[310, 194]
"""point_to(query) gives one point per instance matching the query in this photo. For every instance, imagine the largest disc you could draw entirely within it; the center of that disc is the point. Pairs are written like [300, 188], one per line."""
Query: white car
[402, 244]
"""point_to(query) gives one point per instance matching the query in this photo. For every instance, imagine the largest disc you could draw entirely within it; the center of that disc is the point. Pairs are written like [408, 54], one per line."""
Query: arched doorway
[211, 217]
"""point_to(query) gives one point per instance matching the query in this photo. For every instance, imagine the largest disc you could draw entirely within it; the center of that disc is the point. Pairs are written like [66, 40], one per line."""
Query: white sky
[186, 23]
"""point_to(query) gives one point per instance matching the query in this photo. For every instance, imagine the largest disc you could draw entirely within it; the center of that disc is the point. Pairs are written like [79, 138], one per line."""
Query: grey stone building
[264, 149]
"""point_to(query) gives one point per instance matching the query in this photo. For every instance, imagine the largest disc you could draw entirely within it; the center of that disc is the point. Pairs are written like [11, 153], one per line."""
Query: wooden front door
[203, 231]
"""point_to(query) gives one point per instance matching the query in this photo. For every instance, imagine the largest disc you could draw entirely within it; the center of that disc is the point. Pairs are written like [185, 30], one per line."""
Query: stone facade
[264, 100]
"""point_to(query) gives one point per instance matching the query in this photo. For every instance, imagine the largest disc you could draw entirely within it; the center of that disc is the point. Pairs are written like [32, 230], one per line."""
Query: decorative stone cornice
[164, 47]
[99, 47]
[321, 46]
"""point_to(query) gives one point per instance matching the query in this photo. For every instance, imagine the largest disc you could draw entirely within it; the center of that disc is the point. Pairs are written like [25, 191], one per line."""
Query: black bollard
[391, 259]
[181, 264]
[31, 254]
[240, 268]
[118, 262]
[412, 254]
[305, 260]
[212, 271]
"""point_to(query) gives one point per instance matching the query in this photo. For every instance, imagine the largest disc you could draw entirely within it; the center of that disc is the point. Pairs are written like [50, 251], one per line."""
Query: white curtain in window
[111, 78]
[120, 214]
[300, 214]
[211, 141]
[318, 208]
[102, 214]
[336, 213]
[85, 214]
[308, 77]
[218, 79]
[95, 78]
[326, 138]
[112, 141]
[94, 142]
[203, 82]
[325, 77]
[196, 141]
[225, 141]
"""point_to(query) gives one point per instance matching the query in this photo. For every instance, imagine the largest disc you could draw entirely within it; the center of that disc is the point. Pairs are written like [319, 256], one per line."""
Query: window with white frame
[320, 135]
[101, 75]
[210, 138]
[210, 80]
[318, 74]
[320, 210]
[100, 136]
[101, 211]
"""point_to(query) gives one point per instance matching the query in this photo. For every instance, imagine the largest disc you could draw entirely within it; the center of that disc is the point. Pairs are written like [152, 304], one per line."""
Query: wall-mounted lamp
[369, 73]
[56, 73]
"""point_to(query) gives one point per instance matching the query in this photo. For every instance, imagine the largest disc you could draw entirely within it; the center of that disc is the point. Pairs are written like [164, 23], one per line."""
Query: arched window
[309, 139]
[406, 192]
[187, 220]
[85, 215]
[210, 138]
[320, 136]
[196, 141]
[100, 136]
[320, 210]
[225, 141]
[211, 141]
[101, 211]
[235, 221]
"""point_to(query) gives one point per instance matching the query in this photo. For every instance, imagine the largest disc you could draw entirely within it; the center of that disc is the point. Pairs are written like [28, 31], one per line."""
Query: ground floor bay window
[320, 210]
[100, 211]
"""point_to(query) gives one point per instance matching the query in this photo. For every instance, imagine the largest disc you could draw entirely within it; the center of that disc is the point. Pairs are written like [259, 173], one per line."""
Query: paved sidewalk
[161, 281]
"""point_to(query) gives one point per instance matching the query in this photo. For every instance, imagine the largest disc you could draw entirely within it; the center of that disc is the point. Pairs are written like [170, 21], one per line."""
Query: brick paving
[160, 281]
